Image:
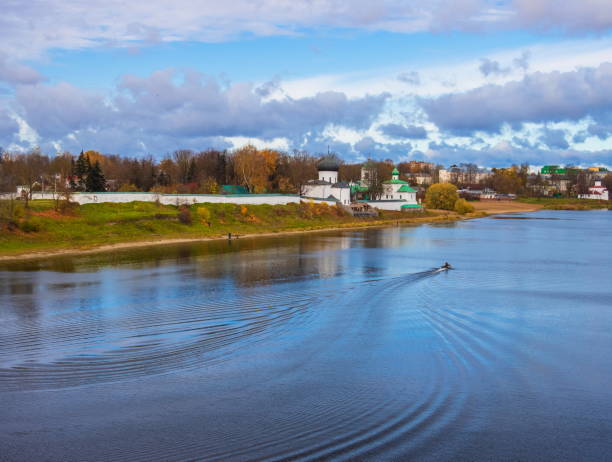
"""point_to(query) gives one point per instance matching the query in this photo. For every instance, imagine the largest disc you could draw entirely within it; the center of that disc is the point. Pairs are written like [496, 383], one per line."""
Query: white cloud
[31, 28]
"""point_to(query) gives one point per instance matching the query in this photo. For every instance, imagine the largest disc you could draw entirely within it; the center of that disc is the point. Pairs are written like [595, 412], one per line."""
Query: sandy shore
[492, 207]
[488, 207]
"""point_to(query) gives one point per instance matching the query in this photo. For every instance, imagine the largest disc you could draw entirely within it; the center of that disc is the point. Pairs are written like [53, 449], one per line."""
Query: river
[337, 345]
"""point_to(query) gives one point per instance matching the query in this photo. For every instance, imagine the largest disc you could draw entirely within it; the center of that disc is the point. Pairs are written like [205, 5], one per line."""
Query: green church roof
[410, 206]
[406, 188]
[395, 171]
[395, 182]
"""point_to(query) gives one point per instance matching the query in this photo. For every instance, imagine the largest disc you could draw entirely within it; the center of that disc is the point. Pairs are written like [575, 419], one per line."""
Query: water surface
[342, 345]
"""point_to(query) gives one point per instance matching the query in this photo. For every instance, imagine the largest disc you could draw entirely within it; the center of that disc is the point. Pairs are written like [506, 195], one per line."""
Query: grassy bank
[41, 229]
[561, 203]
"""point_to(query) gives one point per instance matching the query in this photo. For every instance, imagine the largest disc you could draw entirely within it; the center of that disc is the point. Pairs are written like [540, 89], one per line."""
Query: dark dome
[328, 164]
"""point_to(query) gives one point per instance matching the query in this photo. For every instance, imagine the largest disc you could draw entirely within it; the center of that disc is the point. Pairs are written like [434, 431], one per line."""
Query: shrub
[441, 196]
[204, 214]
[184, 216]
[128, 187]
[462, 206]
[30, 226]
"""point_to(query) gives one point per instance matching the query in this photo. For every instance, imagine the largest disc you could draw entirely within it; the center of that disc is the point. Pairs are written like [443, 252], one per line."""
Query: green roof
[550, 169]
[233, 189]
[395, 182]
[406, 188]
[395, 171]
[410, 206]
[358, 188]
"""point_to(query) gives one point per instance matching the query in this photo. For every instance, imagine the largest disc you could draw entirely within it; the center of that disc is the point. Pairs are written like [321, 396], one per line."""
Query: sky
[493, 82]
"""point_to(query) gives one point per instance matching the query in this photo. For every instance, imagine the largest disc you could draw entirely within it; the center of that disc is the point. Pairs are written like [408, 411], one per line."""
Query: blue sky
[491, 82]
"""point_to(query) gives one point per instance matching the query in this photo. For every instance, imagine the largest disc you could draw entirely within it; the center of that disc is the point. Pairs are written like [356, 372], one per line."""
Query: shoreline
[482, 211]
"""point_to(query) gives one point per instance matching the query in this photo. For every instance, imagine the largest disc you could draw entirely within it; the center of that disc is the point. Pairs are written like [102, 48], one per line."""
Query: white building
[397, 195]
[328, 186]
[396, 189]
[598, 192]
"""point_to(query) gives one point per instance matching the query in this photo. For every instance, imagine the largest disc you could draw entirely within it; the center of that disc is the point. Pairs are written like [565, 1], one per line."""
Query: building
[553, 170]
[597, 192]
[397, 194]
[461, 175]
[328, 186]
[396, 189]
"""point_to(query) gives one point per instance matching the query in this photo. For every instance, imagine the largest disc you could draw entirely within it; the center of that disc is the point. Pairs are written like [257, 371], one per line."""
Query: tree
[462, 206]
[29, 168]
[183, 159]
[254, 167]
[82, 167]
[376, 174]
[95, 181]
[507, 180]
[441, 196]
[607, 182]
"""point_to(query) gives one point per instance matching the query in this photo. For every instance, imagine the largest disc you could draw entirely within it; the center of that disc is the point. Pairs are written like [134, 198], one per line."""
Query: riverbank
[493, 207]
[43, 232]
[565, 203]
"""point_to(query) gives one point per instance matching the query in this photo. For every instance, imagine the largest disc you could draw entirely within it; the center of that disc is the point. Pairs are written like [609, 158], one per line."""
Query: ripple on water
[82, 348]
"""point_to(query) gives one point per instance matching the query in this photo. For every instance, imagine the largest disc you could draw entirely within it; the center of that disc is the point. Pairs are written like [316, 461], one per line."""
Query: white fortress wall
[176, 199]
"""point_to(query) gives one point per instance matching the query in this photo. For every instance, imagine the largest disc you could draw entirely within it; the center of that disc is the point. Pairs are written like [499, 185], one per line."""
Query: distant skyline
[489, 82]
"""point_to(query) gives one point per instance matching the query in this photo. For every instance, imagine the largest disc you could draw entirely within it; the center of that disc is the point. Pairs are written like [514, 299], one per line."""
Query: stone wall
[176, 199]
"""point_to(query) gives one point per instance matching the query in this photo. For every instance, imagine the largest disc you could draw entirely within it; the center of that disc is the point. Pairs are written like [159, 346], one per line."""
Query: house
[328, 186]
[597, 192]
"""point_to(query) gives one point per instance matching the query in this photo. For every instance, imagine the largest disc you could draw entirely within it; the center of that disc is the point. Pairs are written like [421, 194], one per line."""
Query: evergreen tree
[95, 181]
[81, 171]
[73, 185]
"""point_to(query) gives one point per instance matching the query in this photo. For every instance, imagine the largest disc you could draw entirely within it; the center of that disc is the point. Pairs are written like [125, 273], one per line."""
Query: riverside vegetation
[43, 227]
[567, 203]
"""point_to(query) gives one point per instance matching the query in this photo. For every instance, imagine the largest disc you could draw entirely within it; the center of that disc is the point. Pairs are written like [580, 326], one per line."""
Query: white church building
[398, 190]
[328, 186]
[598, 192]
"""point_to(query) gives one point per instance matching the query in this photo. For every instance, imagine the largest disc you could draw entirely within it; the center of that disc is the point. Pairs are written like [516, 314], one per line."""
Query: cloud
[503, 154]
[489, 67]
[31, 28]
[538, 97]
[8, 126]
[176, 108]
[412, 77]
[57, 110]
[404, 131]
[15, 73]
[554, 139]
[522, 62]
[570, 16]
[600, 130]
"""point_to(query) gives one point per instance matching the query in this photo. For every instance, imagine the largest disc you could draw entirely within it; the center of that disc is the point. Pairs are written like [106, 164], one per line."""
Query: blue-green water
[339, 345]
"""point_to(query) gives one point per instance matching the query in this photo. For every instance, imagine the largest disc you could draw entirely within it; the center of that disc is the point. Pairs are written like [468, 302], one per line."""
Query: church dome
[328, 164]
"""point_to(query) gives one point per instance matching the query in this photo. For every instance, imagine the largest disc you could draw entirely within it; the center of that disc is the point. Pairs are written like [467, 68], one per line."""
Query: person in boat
[446, 265]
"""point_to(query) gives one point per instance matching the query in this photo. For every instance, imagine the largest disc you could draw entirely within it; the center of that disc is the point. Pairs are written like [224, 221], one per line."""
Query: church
[328, 186]
[398, 190]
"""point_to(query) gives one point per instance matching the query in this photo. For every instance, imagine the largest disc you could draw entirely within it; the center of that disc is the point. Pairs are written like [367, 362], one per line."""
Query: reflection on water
[341, 345]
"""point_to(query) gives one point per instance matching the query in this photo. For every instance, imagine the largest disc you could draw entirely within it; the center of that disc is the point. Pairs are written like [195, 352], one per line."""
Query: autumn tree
[254, 167]
[441, 196]
[507, 180]
[29, 169]
[185, 165]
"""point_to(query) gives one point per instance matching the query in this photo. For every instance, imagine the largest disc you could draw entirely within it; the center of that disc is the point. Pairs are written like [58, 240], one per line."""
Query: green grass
[41, 228]
[563, 203]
